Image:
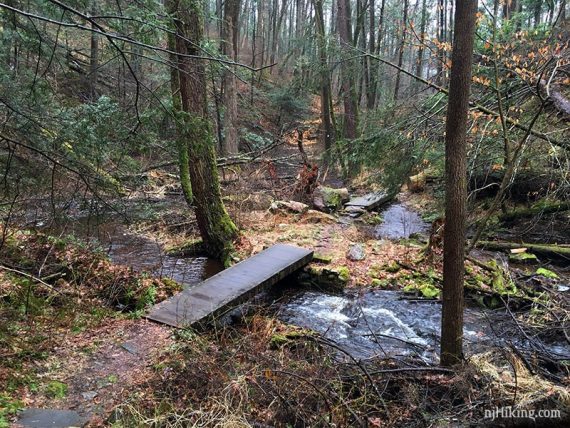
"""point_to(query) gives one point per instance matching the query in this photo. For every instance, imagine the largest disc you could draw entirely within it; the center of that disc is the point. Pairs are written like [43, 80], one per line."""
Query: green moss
[525, 258]
[343, 273]
[546, 273]
[278, 340]
[56, 389]
[374, 271]
[380, 283]
[8, 406]
[190, 248]
[500, 282]
[424, 287]
[321, 258]
[392, 267]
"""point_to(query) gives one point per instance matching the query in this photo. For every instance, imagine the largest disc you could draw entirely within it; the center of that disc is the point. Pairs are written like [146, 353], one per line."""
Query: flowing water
[387, 324]
[400, 222]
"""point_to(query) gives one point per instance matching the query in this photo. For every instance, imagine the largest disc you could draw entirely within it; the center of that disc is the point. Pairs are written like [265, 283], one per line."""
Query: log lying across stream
[547, 250]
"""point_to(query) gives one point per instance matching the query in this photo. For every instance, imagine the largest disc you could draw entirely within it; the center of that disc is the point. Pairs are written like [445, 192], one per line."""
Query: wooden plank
[231, 286]
[369, 201]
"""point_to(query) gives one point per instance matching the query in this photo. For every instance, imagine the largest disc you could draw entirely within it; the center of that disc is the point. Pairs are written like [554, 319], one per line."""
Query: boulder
[417, 183]
[291, 207]
[328, 199]
[356, 253]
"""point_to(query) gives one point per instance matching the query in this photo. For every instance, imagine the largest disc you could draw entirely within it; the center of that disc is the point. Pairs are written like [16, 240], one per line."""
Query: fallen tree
[542, 208]
[548, 250]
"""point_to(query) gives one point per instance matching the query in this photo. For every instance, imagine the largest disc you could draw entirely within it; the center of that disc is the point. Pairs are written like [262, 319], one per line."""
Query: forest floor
[73, 349]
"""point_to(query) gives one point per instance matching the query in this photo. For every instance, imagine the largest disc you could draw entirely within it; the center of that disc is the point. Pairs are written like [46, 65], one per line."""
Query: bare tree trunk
[216, 228]
[325, 79]
[401, 50]
[372, 65]
[456, 183]
[93, 60]
[181, 141]
[420, 59]
[441, 37]
[347, 82]
[229, 48]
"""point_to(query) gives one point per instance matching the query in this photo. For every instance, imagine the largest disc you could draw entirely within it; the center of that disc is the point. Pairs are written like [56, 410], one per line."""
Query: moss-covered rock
[380, 283]
[424, 287]
[325, 278]
[328, 199]
[322, 258]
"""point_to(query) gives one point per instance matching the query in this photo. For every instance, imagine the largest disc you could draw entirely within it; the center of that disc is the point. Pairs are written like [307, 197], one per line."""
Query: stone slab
[231, 286]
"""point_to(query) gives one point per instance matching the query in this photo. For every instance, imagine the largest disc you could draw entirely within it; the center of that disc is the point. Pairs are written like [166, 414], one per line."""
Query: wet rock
[41, 418]
[89, 395]
[328, 199]
[353, 211]
[313, 216]
[356, 253]
[291, 207]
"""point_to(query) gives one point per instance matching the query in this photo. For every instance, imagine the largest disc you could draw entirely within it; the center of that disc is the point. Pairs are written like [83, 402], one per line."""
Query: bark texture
[216, 228]
[229, 48]
[456, 183]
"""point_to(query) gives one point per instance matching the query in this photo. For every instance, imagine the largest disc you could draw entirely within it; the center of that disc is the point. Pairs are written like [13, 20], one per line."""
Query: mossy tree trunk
[216, 228]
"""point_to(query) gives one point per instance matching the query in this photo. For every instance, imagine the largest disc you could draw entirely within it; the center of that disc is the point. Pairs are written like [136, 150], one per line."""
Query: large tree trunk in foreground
[456, 183]
[229, 48]
[216, 228]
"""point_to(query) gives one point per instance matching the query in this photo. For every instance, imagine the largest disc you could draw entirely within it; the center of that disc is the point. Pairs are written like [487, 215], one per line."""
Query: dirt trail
[104, 366]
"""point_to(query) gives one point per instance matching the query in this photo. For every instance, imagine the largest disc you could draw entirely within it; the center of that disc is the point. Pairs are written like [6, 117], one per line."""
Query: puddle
[142, 253]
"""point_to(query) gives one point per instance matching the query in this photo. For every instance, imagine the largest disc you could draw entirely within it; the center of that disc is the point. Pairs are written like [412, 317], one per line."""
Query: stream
[366, 324]
[142, 253]
[384, 324]
[387, 324]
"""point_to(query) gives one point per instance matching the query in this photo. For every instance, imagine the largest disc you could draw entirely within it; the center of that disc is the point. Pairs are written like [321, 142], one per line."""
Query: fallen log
[543, 208]
[547, 250]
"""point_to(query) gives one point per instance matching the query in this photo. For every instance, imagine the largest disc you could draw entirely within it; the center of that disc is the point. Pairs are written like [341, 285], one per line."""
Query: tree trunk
[372, 65]
[537, 12]
[93, 60]
[181, 141]
[456, 183]
[420, 59]
[401, 50]
[347, 82]
[325, 79]
[229, 49]
[216, 228]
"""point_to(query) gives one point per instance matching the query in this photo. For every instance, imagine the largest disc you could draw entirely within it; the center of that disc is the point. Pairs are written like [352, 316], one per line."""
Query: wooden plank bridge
[231, 286]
